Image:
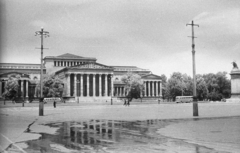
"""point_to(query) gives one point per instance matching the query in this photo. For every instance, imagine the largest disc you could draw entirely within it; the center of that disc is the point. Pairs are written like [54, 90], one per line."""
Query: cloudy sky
[150, 34]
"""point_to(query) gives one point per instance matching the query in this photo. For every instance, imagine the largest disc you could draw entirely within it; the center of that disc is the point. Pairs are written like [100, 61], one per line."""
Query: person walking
[125, 102]
[54, 104]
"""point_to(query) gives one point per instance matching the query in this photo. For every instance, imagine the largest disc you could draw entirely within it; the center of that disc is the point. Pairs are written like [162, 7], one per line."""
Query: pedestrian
[125, 102]
[54, 104]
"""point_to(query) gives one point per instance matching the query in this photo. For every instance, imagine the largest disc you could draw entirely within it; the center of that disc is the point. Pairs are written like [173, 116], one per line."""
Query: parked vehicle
[52, 99]
[184, 99]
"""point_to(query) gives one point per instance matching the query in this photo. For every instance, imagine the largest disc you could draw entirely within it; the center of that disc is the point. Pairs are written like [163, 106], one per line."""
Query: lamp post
[46, 34]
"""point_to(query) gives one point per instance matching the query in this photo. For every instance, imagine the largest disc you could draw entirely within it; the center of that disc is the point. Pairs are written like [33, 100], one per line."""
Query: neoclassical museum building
[84, 79]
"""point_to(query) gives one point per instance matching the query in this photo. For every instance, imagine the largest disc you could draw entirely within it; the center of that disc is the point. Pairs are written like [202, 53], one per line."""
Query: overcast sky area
[150, 34]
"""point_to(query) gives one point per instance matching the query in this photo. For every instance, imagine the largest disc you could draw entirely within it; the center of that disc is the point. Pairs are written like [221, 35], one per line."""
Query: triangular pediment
[151, 76]
[91, 66]
[68, 55]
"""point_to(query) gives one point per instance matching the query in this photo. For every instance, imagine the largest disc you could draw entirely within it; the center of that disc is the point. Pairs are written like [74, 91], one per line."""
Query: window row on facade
[67, 63]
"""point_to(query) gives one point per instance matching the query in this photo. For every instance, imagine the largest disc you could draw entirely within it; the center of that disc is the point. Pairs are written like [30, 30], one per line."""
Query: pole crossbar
[195, 104]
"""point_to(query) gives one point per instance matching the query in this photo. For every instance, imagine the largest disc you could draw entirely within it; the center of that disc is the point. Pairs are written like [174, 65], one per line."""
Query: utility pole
[46, 34]
[195, 103]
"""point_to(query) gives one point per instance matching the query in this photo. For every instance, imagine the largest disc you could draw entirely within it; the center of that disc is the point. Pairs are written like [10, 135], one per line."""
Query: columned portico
[23, 91]
[88, 82]
[152, 85]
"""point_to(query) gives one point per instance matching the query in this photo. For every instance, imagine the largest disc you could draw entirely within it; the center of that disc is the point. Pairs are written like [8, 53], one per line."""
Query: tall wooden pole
[195, 103]
[41, 103]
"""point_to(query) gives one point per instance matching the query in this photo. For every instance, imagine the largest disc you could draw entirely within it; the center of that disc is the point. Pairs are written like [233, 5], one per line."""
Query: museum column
[106, 86]
[100, 85]
[153, 91]
[68, 85]
[120, 91]
[157, 84]
[160, 88]
[149, 90]
[75, 85]
[117, 91]
[94, 85]
[22, 92]
[111, 86]
[26, 88]
[87, 85]
[81, 81]
[145, 90]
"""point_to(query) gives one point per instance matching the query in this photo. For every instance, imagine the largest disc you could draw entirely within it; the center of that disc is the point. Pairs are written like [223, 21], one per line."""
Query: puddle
[110, 136]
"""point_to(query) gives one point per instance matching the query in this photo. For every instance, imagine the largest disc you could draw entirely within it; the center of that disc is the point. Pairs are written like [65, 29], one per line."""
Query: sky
[150, 34]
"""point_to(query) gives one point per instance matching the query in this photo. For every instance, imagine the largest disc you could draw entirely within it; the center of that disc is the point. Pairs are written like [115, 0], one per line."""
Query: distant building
[84, 79]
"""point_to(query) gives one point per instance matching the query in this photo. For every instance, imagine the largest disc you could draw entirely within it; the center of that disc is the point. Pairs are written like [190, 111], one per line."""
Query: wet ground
[182, 135]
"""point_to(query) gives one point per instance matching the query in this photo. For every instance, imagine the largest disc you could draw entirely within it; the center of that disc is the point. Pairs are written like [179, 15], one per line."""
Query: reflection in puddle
[110, 136]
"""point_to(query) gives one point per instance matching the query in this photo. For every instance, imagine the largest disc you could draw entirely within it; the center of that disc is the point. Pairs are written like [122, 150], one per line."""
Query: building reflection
[107, 132]
[94, 135]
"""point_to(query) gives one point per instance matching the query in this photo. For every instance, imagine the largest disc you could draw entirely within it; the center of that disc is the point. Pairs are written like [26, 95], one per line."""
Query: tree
[52, 86]
[11, 87]
[133, 85]
[178, 84]
[218, 85]
[201, 87]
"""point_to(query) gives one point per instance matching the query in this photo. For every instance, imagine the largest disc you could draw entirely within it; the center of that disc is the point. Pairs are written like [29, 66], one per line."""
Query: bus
[52, 99]
[184, 99]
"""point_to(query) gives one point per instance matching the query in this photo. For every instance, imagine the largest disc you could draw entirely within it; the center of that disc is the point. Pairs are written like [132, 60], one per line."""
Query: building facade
[84, 79]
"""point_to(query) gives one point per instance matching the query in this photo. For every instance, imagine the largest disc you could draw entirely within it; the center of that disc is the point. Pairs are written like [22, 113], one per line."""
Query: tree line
[213, 87]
